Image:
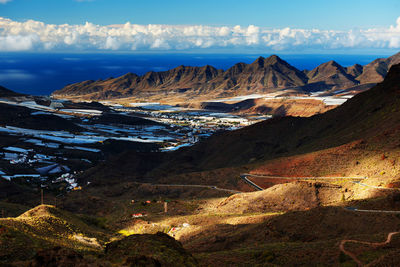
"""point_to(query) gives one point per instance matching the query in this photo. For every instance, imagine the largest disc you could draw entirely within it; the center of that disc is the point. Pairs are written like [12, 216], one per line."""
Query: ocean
[41, 73]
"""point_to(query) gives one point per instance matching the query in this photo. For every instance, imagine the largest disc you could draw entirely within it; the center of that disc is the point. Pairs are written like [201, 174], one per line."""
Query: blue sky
[321, 14]
[189, 25]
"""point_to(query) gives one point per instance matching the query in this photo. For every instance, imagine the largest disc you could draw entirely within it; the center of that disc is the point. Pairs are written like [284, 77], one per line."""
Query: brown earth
[282, 197]
[289, 107]
[322, 223]
[149, 250]
[331, 73]
[374, 72]
[275, 107]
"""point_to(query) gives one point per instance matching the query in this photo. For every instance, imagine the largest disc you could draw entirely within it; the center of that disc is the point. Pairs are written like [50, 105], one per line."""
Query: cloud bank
[38, 36]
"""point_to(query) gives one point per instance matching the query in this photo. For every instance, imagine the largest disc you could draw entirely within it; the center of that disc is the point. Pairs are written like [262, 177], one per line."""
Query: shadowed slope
[4, 92]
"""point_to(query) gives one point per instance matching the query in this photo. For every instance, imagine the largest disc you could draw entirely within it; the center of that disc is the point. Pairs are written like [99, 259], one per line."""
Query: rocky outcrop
[331, 74]
[376, 71]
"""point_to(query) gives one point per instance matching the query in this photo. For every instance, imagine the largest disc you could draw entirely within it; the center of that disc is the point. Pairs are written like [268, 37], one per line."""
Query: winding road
[213, 187]
[303, 178]
[373, 211]
[373, 244]
[377, 244]
[375, 187]
[251, 183]
[245, 177]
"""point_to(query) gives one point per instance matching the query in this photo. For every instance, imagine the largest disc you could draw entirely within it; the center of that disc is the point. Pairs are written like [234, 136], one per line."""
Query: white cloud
[17, 42]
[38, 36]
[4, 1]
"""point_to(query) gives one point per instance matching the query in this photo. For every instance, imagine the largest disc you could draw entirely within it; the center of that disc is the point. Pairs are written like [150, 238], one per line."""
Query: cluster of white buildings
[17, 155]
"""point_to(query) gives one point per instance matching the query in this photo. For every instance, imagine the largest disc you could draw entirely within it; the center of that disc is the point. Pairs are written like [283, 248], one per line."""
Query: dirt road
[373, 244]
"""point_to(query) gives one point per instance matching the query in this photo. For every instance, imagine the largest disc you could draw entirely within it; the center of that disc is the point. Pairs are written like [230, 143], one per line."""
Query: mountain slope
[261, 75]
[331, 74]
[375, 71]
[354, 70]
[175, 80]
[4, 92]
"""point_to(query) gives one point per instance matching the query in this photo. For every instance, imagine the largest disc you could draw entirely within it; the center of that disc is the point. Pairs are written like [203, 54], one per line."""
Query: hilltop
[264, 75]
[46, 235]
[45, 227]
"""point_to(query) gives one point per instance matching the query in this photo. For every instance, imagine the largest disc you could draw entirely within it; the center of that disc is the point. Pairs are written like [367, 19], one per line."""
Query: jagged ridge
[261, 76]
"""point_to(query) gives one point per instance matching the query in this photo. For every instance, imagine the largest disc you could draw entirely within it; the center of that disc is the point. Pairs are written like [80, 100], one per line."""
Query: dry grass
[45, 227]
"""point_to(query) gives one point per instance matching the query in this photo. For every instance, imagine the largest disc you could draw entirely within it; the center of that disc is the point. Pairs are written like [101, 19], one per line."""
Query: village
[53, 158]
[198, 119]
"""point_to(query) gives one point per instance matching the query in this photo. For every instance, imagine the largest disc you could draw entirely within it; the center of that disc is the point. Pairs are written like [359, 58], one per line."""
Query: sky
[298, 26]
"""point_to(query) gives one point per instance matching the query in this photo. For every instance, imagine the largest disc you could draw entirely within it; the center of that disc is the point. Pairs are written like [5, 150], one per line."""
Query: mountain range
[264, 75]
